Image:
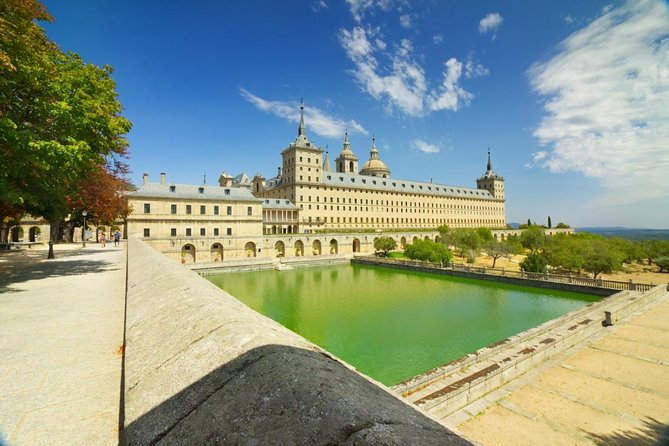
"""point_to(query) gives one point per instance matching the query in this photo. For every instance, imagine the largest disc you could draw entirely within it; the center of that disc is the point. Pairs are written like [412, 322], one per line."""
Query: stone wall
[426, 267]
[200, 367]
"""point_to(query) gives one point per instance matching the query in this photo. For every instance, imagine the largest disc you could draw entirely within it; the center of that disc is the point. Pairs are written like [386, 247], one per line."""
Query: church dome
[374, 166]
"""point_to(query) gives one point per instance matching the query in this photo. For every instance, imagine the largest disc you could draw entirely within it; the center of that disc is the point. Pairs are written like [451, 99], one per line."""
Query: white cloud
[401, 82]
[317, 120]
[438, 38]
[424, 146]
[451, 95]
[474, 69]
[319, 5]
[607, 103]
[405, 21]
[490, 24]
[403, 87]
[360, 7]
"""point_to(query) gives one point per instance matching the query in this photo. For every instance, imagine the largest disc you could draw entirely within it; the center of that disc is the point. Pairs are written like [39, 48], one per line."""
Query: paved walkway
[612, 389]
[61, 331]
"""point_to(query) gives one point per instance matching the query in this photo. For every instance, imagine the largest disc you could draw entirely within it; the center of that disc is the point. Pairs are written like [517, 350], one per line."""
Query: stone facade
[370, 199]
[308, 209]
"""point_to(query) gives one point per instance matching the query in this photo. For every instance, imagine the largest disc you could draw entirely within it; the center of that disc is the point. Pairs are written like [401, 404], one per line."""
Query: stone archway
[34, 233]
[299, 248]
[16, 234]
[316, 247]
[188, 253]
[280, 249]
[427, 237]
[250, 249]
[356, 245]
[333, 246]
[403, 242]
[217, 252]
[415, 239]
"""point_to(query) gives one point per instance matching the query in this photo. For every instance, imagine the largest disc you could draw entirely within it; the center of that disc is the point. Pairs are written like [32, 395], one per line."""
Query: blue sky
[572, 97]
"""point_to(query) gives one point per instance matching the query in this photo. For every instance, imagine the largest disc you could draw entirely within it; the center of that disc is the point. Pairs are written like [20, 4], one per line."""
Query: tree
[385, 244]
[534, 262]
[601, 257]
[59, 119]
[467, 239]
[562, 225]
[429, 251]
[485, 235]
[663, 263]
[565, 251]
[447, 235]
[533, 238]
[549, 222]
[497, 249]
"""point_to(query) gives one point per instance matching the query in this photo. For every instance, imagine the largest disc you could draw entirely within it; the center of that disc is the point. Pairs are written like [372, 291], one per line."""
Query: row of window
[203, 209]
[383, 220]
[200, 190]
[484, 211]
[189, 232]
[406, 204]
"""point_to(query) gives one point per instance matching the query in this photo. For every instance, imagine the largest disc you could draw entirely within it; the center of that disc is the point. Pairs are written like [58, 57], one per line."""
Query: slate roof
[191, 191]
[354, 181]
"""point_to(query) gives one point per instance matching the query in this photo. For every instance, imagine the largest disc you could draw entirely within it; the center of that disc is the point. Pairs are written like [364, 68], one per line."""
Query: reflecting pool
[391, 324]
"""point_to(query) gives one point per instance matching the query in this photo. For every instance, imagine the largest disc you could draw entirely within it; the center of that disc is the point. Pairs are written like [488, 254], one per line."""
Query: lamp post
[83, 230]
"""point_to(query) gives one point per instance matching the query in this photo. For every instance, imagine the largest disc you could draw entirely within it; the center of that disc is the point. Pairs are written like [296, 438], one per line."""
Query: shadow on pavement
[654, 432]
[58, 267]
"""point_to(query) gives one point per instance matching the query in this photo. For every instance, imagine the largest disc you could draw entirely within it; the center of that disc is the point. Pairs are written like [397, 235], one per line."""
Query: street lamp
[83, 230]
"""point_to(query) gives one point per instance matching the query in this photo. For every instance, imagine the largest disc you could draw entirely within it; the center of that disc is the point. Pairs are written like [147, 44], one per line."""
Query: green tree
[550, 225]
[497, 249]
[535, 262]
[447, 235]
[429, 251]
[566, 252]
[533, 238]
[514, 244]
[602, 257]
[385, 244]
[562, 225]
[467, 239]
[59, 119]
[663, 263]
[485, 235]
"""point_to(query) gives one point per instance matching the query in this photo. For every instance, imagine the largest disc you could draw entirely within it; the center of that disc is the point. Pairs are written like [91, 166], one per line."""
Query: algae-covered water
[390, 324]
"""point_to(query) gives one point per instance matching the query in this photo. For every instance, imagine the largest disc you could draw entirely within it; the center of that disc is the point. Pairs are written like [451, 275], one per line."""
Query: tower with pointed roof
[374, 166]
[347, 162]
[302, 164]
[491, 182]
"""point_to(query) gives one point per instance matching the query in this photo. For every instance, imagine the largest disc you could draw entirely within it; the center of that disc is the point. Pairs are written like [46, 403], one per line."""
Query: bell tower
[491, 182]
[347, 162]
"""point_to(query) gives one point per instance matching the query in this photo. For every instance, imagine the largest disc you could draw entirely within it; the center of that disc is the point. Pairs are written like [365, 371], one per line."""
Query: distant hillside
[629, 233]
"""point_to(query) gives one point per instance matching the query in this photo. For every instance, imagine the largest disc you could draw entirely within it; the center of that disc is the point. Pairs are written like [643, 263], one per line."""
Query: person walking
[102, 239]
[117, 237]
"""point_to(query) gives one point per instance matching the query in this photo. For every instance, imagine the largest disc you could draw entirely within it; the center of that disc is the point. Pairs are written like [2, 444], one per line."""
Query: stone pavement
[612, 389]
[61, 332]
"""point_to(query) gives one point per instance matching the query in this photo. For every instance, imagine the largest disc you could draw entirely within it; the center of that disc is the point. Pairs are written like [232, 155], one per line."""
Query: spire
[327, 165]
[300, 130]
[346, 151]
[489, 161]
[374, 153]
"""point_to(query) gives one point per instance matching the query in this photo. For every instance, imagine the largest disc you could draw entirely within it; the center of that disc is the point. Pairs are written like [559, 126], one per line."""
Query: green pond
[390, 324]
